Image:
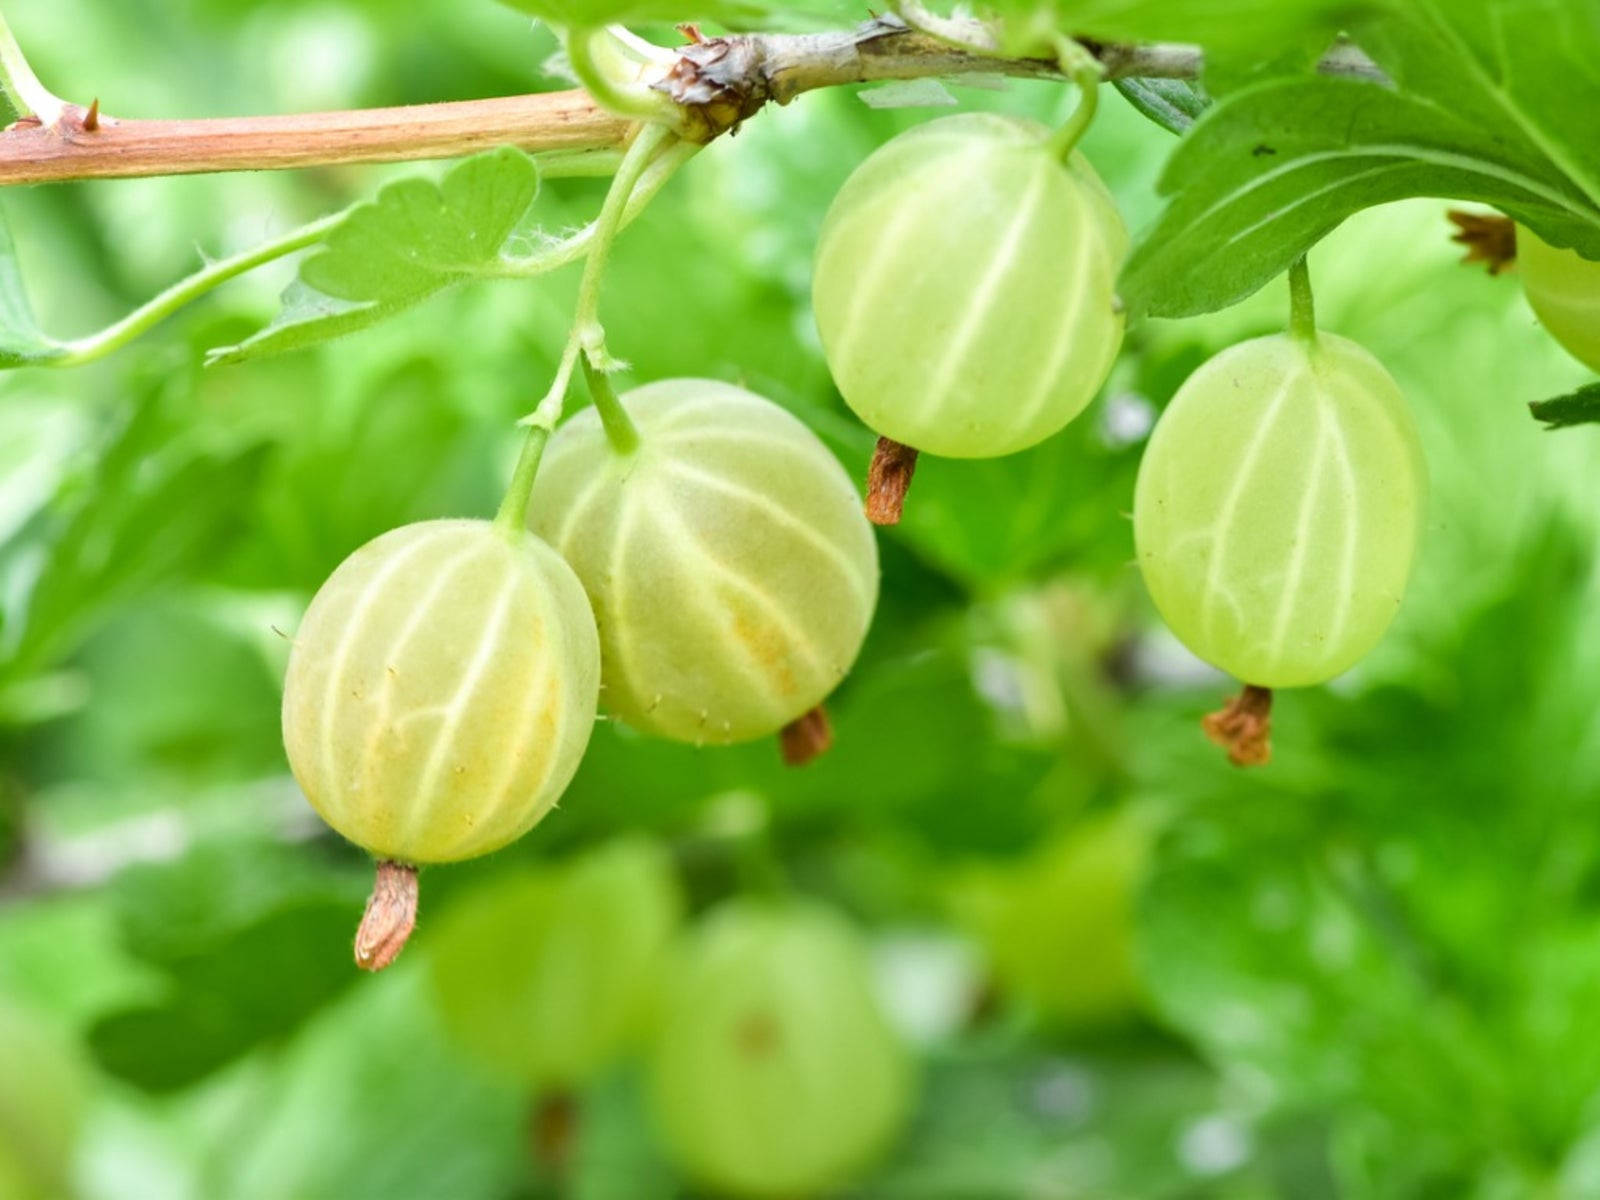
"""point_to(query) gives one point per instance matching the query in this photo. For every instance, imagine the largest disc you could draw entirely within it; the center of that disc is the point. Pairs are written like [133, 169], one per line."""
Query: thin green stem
[620, 429]
[27, 95]
[1302, 310]
[588, 337]
[1087, 73]
[513, 514]
[571, 249]
[586, 47]
[114, 336]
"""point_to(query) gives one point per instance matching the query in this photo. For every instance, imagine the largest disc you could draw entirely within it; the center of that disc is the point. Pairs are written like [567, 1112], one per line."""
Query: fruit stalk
[1302, 308]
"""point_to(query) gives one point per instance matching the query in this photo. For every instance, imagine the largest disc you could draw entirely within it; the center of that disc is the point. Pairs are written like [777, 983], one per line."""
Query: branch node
[1244, 727]
[390, 917]
[888, 480]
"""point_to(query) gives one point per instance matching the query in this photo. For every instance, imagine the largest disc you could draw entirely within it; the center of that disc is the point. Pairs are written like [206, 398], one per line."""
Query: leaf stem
[621, 432]
[588, 336]
[1087, 73]
[120, 333]
[27, 95]
[1302, 310]
[586, 46]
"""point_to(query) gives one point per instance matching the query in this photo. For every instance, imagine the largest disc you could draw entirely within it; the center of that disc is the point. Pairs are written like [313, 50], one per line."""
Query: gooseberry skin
[441, 690]
[964, 287]
[774, 1071]
[1278, 507]
[547, 976]
[732, 572]
[1564, 289]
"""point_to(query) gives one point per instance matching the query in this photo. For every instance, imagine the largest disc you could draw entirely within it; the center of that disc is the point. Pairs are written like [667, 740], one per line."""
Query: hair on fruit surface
[441, 690]
[732, 573]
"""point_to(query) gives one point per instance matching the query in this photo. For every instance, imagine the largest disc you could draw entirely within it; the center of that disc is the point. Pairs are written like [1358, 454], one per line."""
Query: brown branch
[110, 148]
[719, 82]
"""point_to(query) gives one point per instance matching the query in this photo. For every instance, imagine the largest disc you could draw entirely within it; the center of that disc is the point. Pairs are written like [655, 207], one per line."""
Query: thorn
[91, 119]
[888, 479]
[691, 33]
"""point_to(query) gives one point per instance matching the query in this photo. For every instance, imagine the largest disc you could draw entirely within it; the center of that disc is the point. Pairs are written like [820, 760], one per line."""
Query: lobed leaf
[1274, 168]
[413, 240]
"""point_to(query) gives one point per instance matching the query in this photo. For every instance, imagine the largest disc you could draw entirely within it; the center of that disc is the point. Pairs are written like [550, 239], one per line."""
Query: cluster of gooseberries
[691, 553]
[771, 1068]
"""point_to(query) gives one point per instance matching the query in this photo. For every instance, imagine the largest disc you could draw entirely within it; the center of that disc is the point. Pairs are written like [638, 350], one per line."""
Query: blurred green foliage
[1368, 970]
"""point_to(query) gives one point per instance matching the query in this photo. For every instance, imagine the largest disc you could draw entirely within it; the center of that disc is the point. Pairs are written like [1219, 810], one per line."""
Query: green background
[1370, 969]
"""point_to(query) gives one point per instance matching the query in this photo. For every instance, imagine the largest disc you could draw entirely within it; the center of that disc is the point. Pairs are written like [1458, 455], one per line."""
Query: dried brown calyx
[1489, 238]
[1244, 727]
[806, 737]
[390, 917]
[888, 481]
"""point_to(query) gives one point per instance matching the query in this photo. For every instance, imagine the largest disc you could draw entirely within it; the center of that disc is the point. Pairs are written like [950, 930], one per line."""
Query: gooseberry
[548, 975]
[1058, 927]
[1564, 290]
[441, 690]
[732, 573]
[774, 1071]
[43, 1090]
[1278, 506]
[964, 287]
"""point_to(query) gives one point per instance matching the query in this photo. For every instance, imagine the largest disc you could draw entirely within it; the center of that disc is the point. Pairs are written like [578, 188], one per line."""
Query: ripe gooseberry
[732, 573]
[964, 287]
[43, 1095]
[549, 975]
[1058, 928]
[441, 690]
[774, 1071]
[1564, 290]
[1278, 506]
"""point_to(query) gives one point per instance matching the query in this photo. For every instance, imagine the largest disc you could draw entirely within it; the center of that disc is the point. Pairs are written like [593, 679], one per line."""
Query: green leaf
[1272, 169]
[1526, 71]
[412, 241]
[218, 923]
[1173, 104]
[1581, 407]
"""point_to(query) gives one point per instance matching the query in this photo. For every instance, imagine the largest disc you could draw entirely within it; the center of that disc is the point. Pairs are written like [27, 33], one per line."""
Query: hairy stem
[112, 337]
[621, 432]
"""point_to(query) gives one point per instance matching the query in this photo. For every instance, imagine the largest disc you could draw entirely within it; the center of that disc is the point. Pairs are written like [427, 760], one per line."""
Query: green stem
[1302, 311]
[570, 250]
[585, 48]
[620, 429]
[27, 95]
[1086, 72]
[513, 514]
[588, 337]
[577, 164]
[114, 336]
